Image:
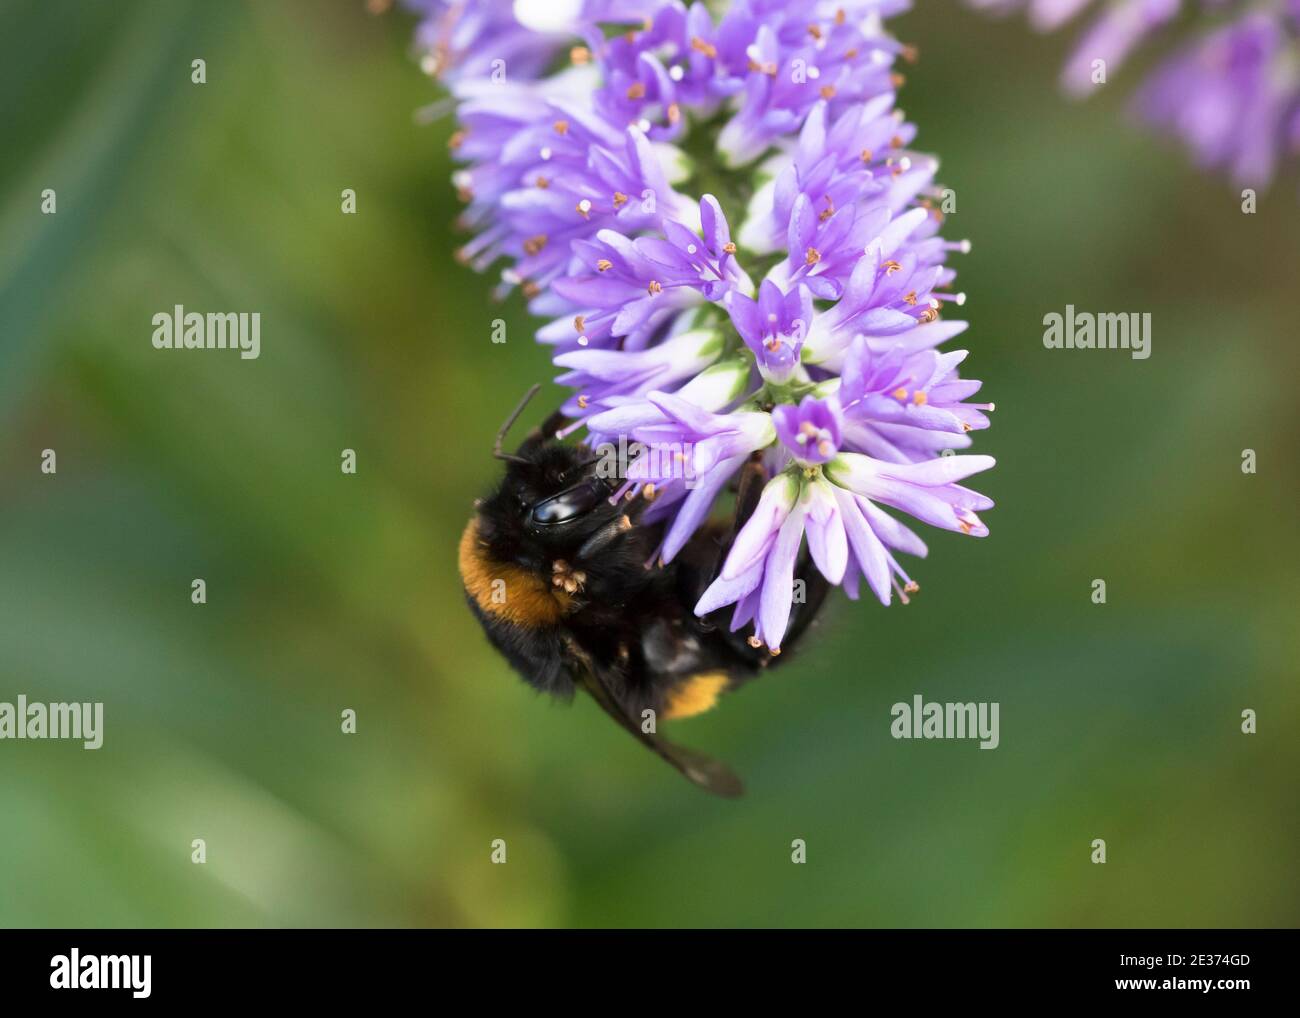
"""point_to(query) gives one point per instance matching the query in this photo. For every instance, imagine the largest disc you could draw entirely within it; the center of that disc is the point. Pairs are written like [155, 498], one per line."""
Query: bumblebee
[555, 569]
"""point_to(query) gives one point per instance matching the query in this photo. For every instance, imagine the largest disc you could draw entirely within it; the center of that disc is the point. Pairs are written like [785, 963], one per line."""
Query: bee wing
[698, 768]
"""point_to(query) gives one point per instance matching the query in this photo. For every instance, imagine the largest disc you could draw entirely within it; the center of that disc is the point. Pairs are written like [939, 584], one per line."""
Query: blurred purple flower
[1231, 93]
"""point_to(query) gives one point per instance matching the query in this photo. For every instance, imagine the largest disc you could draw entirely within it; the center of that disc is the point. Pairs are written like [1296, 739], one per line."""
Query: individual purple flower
[849, 536]
[619, 288]
[810, 431]
[689, 456]
[459, 41]
[758, 575]
[1116, 33]
[926, 491]
[717, 388]
[904, 401]
[773, 327]
[790, 67]
[892, 290]
[601, 377]
[1232, 96]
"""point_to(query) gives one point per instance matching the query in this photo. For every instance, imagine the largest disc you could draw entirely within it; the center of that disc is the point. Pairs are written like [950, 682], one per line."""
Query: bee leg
[605, 536]
[545, 432]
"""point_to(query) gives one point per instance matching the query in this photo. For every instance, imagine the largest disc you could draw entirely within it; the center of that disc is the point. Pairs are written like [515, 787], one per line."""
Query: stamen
[707, 48]
[654, 287]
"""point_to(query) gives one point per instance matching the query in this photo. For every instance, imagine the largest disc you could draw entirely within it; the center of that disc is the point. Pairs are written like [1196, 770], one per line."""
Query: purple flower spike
[825, 367]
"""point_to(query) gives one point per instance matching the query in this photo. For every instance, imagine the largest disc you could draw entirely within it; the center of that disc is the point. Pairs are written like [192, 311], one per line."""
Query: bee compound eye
[568, 504]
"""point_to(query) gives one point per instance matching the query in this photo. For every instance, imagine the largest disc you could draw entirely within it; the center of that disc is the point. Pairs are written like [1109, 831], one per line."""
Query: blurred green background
[328, 591]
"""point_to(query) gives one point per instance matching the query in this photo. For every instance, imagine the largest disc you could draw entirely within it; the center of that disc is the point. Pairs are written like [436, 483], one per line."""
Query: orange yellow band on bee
[696, 695]
[506, 591]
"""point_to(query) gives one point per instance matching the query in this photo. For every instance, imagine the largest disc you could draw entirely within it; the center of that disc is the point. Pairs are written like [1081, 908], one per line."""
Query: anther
[707, 48]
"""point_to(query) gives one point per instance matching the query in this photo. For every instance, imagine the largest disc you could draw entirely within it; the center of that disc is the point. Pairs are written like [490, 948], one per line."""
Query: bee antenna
[509, 423]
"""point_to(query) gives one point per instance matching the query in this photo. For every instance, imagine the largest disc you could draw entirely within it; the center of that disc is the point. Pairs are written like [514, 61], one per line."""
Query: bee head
[550, 502]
